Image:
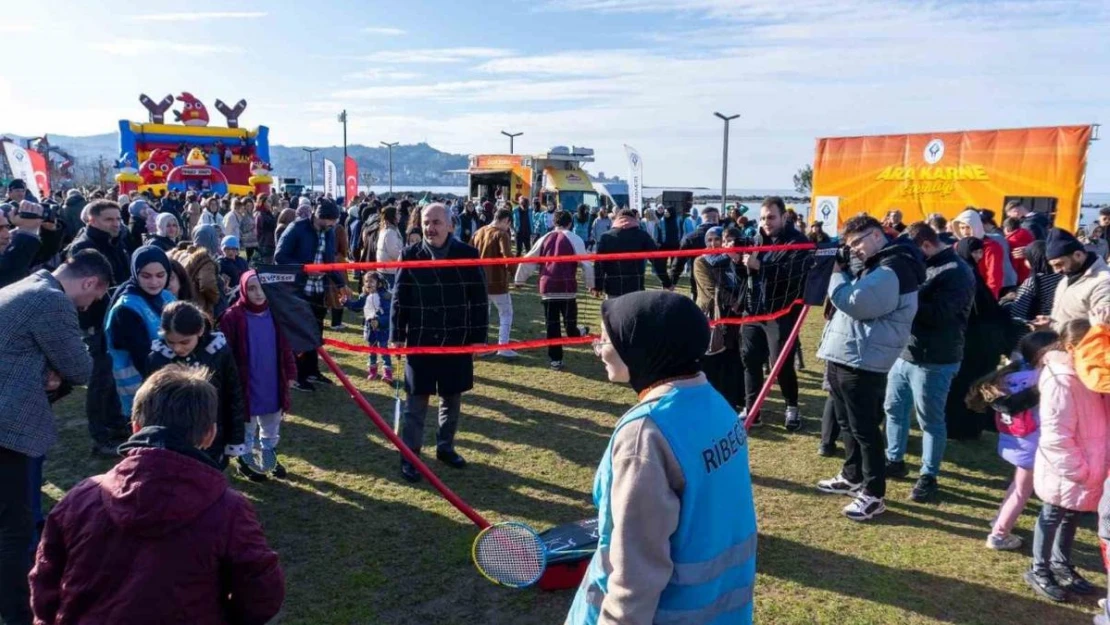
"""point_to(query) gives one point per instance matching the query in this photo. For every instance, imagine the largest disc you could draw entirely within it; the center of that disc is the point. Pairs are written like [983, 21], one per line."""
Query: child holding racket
[267, 369]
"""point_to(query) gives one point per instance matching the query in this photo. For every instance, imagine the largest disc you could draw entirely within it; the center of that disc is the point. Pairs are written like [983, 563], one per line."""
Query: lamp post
[311, 168]
[511, 136]
[343, 120]
[724, 162]
[390, 146]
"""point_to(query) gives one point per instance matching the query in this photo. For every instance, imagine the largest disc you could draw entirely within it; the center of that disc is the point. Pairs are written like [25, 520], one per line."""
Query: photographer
[874, 314]
[18, 246]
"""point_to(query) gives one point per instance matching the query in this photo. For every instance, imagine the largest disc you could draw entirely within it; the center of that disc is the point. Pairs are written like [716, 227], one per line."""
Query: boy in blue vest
[559, 282]
[676, 518]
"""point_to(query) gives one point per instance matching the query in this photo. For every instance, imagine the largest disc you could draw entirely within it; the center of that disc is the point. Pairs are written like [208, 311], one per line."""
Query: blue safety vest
[713, 548]
[127, 377]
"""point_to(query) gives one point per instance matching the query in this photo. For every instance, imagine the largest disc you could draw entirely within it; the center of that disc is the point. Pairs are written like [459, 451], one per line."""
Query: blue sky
[598, 73]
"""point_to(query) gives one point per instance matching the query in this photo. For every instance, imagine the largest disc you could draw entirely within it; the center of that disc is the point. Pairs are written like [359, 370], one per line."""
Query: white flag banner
[826, 209]
[635, 179]
[331, 180]
[20, 163]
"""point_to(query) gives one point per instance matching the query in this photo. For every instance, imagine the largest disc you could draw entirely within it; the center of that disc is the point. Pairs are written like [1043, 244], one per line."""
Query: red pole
[380, 423]
[786, 354]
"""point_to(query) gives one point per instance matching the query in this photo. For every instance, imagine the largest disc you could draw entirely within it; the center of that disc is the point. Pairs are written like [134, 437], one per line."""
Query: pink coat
[1074, 451]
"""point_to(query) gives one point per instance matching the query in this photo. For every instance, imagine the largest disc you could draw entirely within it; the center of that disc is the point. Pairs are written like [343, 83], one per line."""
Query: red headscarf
[245, 301]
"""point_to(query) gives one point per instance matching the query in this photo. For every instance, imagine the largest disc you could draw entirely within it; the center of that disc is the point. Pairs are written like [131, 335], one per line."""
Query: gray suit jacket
[38, 332]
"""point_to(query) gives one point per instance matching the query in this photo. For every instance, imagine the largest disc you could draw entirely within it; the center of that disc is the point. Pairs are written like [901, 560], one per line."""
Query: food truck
[557, 176]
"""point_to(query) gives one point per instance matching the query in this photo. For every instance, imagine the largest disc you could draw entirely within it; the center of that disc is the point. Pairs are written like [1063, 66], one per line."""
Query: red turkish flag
[350, 176]
[42, 178]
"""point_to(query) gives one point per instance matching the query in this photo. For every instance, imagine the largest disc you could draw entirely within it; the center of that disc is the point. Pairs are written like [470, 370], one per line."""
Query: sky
[594, 73]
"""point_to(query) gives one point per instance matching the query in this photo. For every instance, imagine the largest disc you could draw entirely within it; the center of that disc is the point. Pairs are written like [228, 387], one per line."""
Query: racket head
[510, 554]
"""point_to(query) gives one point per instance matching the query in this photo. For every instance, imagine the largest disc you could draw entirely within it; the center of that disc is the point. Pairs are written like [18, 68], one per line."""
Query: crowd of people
[155, 305]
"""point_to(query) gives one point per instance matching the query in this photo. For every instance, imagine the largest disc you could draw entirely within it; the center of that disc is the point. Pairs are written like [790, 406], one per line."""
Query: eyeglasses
[598, 344]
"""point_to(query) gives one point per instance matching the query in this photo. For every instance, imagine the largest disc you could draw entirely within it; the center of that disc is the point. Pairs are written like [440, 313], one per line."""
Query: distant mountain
[413, 165]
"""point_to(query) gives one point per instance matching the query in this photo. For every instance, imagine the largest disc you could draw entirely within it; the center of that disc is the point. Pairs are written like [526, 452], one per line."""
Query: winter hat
[229, 242]
[137, 207]
[16, 183]
[327, 209]
[304, 203]
[1060, 243]
[121, 200]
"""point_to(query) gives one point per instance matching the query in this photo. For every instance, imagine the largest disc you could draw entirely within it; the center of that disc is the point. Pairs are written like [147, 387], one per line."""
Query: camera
[843, 255]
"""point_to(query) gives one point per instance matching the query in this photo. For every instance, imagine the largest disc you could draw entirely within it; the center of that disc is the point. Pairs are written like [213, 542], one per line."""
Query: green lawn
[359, 545]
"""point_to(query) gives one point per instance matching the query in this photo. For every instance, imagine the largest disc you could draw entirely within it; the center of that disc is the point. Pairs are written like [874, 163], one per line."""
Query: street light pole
[343, 120]
[511, 136]
[390, 146]
[724, 161]
[311, 168]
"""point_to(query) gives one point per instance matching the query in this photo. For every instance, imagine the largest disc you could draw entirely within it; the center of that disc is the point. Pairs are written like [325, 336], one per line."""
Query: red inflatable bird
[195, 114]
[155, 168]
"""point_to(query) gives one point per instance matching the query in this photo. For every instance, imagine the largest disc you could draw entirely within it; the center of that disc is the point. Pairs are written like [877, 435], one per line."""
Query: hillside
[413, 165]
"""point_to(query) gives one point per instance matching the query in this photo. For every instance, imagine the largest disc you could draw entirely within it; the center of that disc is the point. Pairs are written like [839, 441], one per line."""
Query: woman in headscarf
[167, 230]
[716, 297]
[199, 261]
[137, 227]
[983, 347]
[673, 489]
[133, 319]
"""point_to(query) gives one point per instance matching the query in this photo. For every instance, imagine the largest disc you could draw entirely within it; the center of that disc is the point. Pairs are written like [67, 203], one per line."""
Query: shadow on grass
[941, 598]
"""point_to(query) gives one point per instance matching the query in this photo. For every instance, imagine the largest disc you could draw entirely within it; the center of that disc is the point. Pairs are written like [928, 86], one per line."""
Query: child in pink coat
[1071, 464]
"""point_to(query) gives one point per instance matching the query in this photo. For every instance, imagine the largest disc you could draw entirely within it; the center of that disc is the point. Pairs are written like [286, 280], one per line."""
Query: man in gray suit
[40, 350]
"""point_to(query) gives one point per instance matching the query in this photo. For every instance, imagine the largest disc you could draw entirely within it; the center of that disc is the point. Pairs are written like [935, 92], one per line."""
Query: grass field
[360, 546]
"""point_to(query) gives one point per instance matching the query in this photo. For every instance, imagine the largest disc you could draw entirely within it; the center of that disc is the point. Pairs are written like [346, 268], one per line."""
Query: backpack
[1015, 414]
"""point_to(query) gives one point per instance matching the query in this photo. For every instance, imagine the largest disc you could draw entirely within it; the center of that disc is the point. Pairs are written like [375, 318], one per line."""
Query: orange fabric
[1092, 359]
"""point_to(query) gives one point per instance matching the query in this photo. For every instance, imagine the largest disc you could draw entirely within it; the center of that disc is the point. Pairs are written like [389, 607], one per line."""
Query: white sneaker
[508, 353]
[1009, 542]
[839, 486]
[864, 507]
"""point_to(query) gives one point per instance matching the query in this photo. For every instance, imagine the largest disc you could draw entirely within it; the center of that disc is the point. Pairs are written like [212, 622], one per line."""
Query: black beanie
[327, 209]
[1060, 243]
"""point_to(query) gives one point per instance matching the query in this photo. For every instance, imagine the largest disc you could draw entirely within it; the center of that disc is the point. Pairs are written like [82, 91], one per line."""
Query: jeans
[265, 429]
[858, 401]
[553, 309]
[504, 304]
[1053, 537]
[763, 341]
[17, 529]
[922, 388]
[102, 407]
[308, 363]
[412, 422]
[378, 338]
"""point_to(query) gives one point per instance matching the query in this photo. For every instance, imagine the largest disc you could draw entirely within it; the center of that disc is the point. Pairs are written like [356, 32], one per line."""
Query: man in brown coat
[494, 241]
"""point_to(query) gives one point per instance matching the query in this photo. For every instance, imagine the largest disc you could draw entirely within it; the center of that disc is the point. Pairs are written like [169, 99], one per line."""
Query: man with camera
[875, 310]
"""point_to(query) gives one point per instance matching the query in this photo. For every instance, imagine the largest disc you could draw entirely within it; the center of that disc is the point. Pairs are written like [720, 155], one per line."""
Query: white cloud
[383, 30]
[381, 74]
[434, 55]
[197, 17]
[136, 47]
[487, 91]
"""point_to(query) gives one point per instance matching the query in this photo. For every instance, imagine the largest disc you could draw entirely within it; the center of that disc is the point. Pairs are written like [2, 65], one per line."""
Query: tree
[803, 180]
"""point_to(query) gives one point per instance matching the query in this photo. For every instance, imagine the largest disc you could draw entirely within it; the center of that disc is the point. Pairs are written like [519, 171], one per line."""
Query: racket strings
[510, 554]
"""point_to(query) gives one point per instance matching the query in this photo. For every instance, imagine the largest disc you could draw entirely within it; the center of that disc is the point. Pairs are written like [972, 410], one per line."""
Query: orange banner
[946, 172]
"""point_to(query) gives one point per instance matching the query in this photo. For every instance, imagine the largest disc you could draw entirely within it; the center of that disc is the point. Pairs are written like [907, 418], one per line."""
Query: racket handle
[397, 415]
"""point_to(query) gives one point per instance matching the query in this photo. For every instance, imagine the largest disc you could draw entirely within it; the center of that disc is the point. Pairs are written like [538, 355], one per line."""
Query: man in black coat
[437, 307]
[695, 241]
[921, 377]
[776, 280]
[107, 423]
[1034, 222]
[617, 277]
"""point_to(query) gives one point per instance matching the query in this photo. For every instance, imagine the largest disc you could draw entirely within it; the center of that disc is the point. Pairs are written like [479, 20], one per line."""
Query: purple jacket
[1021, 452]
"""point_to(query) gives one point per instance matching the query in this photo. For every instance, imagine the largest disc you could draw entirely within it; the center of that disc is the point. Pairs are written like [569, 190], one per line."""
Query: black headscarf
[141, 258]
[1038, 261]
[658, 334]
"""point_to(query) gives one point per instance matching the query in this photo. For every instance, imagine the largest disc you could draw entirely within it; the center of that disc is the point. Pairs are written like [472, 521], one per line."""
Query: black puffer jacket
[943, 305]
[214, 354]
[782, 274]
[116, 251]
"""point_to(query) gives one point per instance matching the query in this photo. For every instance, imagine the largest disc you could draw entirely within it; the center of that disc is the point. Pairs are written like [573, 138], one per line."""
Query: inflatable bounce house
[191, 156]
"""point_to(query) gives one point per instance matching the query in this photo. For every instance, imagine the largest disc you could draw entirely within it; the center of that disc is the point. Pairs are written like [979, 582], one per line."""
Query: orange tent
[946, 172]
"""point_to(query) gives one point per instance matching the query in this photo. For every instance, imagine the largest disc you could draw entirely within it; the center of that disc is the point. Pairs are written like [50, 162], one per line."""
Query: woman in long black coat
[984, 345]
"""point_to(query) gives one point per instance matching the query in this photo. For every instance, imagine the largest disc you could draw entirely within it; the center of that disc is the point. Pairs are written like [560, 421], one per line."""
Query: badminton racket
[512, 554]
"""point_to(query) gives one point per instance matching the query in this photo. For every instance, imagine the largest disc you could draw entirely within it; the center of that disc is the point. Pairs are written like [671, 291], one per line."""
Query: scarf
[141, 258]
[243, 300]
[658, 334]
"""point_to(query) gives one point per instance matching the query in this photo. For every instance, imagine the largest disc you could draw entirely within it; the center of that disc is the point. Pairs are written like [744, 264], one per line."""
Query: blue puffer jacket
[874, 311]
